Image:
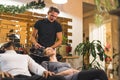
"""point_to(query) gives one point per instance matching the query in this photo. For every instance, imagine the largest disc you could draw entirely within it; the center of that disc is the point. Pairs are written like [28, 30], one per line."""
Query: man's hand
[5, 74]
[48, 73]
[37, 45]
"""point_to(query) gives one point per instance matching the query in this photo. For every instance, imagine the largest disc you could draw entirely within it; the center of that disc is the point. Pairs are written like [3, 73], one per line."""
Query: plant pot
[86, 61]
[62, 50]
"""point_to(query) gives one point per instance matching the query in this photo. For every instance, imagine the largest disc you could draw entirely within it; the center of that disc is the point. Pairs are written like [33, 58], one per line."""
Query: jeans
[93, 74]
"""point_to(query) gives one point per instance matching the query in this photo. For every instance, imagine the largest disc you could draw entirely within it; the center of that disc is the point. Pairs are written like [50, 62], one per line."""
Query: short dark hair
[11, 30]
[53, 9]
[8, 44]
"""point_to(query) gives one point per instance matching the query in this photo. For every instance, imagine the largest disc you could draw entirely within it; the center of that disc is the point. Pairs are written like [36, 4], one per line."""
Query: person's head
[53, 14]
[49, 51]
[11, 30]
[9, 46]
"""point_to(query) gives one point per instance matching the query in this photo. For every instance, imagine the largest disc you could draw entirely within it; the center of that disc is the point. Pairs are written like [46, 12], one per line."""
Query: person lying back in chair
[64, 69]
[19, 66]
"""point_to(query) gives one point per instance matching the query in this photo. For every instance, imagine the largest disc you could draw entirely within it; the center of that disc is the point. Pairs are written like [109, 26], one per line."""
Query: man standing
[47, 30]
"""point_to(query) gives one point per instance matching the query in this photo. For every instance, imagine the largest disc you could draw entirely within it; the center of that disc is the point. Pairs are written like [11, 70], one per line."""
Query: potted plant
[65, 39]
[94, 49]
[62, 49]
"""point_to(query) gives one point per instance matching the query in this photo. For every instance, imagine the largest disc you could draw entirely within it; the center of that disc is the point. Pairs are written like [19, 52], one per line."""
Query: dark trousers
[34, 77]
[92, 74]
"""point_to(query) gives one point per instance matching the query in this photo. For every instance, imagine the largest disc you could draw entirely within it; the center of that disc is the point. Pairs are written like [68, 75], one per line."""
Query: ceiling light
[59, 1]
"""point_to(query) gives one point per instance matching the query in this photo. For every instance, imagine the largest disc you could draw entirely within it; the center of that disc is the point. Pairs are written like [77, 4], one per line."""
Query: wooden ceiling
[87, 7]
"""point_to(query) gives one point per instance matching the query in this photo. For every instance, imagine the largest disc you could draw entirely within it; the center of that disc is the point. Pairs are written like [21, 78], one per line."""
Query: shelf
[70, 57]
[115, 12]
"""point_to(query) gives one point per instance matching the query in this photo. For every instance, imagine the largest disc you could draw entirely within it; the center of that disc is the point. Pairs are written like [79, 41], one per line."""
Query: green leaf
[93, 48]
[97, 2]
[79, 49]
[20, 9]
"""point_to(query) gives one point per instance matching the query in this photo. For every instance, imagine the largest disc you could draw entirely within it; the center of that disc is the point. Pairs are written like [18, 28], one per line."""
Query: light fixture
[59, 1]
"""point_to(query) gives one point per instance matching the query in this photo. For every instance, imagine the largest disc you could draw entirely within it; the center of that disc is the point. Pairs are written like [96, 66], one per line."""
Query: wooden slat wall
[25, 21]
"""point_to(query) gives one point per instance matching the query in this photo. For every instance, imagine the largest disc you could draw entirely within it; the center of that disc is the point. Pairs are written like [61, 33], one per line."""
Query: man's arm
[59, 40]
[35, 67]
[33, 38]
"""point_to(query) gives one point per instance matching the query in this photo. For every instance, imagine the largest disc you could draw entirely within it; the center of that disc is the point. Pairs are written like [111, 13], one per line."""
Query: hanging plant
[20, 9]
[99, 19]
[103, 8]
[106, 5]
[65, 39]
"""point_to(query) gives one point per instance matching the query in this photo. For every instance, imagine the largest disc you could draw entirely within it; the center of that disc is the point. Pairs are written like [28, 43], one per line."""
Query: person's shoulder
[41, 20]
[56, 22]
[23, 55]
[26, 56]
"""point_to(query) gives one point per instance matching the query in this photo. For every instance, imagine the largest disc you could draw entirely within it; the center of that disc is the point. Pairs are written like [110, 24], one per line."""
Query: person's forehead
[49, 49]
[53, 12]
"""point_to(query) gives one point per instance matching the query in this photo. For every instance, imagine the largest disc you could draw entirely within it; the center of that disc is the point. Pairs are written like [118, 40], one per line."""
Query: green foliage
[65, 39]
[93, 48]
[20, 9]
[103, 7]
[106, 5]
[99, 19]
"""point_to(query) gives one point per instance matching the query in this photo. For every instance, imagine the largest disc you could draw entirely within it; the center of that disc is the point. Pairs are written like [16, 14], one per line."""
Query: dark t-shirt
[47, 32]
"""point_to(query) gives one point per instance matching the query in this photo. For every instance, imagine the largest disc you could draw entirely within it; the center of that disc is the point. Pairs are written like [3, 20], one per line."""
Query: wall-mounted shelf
[115, 12]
